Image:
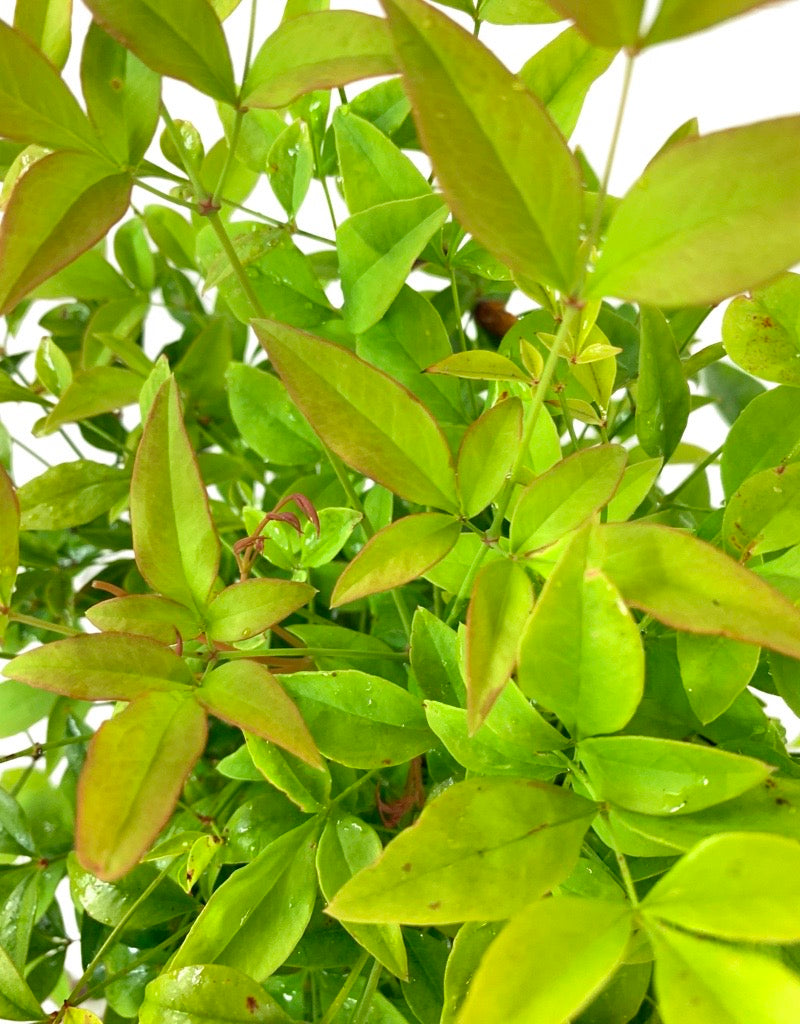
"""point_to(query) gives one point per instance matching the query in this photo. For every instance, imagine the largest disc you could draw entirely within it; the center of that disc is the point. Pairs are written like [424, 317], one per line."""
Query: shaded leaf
[635, 485]
[9, 543]
[763, 436]
[714, 671]
[92, 392]
[309, 788]
[469, 947]
[662, 394]
[70, 494]
[134, 773]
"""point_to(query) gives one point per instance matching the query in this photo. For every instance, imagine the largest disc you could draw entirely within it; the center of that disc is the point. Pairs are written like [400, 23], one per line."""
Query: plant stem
[310, 652]
[701, 467]
[353, 787]
[29, 620]
[365, 1002]
[332, 1012]
[37, 749]
[215, 221]
[568, 420]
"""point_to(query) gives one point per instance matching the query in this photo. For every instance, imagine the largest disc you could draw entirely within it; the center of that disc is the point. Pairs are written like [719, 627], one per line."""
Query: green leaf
[109, 902]
[267, 419]
[176, 545]
[635, 485]
[516, 12]
[35, 104]
[106, 666]
[605, 22]
[662, 394]
[479, 364]
[133, 254]
[122, 96]
[63, 204]
[47, 24]
[53, 368]
[714, 671]
[655, 776]
[760, 331]
[501, 601]
[561, 74]
[172, 234]
[741, 886]
[681, 17]
[480, 851]
[698, 981]
[346, 846]
[17, 1002]
[70, 494]
[469, 947]
[689, 585]
[309, 788]
[291, 166]
[548, 962]
[92, 392]
[372, 167]
[377, 249]
[88, 277]
[179, 38]
[566, 496]
[581, 653]
[9, 543]
[253, 606]
[507, 154]
[270, 900]
[146, 615]
[399, 553]
[352, 406]
[360, 720]
[763, 514]
[688, 234]
[135, 769]
[764, 435]
[320, 50]
[208, 994]
[22, 706]
[335, 528]
[244, 693]
[487, 454]
[435, 658]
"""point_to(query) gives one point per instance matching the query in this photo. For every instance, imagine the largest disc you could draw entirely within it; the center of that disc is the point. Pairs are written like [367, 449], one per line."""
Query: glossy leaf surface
[208, 993]
[482, 850]
[146, 615]
[662, 394]
[70, 494]
[17, 1001]
[251, 607]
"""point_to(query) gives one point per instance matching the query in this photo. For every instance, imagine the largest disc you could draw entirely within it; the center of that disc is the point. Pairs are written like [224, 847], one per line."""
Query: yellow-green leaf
[662, 394]
[604, 22]
[9, 543]
[47, 23]
[714, 671]
[681, 17]
[487, 454]
[253, 606]
[146, 615]
[760, 331]
[208, 994]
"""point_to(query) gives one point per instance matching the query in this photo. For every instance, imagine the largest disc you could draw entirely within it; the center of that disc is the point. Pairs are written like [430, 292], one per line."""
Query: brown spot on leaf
[252, 1004]
[782, 801]
[435, 905]
[406, 866]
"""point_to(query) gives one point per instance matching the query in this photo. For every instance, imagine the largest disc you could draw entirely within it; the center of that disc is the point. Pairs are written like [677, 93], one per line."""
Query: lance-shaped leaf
[122, 95]
[760, 331]
[360, 720]
[17, 1001]
[319, 50]
[92, 392]
[35, 104]
[62, 205]
[689, 585]
[480, 852]
[346, 846]
[70, 494]
[176, 545]
[655, 776]
[681, 17]
[688, 233]
[146, 615]
[604, 22]
[270, 900]
[633, 488]
[307, 787]
[507, 172]
[179, 38]
[738, 885]
[244, 693]
[714, 671]
[487, 454]
[47, 24]
[368, 419]
[291, 166]
[396, 555]
[548, 961]
[501, 602]
[566, 496]
[581, 653]
[698, 981]
[106, 666]
[763, 436]
[248, 608]
[561, 74]
[9, 543]
[662, 394]
[479, 364]
[208, 993]
[377, 249]
[134, 773]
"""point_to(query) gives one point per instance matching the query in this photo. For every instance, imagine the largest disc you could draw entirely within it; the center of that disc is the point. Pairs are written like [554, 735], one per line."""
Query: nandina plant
[425, 698]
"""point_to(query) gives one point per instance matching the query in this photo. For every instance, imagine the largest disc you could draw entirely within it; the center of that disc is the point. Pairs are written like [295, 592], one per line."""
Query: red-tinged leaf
[366, 417]
[318, 50]
[604, 22]
[244, 693]
[58, 209]
[506, 171]
[502, 599]
[176, 545]
[249, 608]
[146, 615]
[690, 585]
[35, 104]
[134, 773]
[681, 17]
[9, 543]
[396, 555]
[179, 38]
[101, 666]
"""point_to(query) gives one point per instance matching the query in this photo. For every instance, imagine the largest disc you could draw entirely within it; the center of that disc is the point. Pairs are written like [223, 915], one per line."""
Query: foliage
[424, 696]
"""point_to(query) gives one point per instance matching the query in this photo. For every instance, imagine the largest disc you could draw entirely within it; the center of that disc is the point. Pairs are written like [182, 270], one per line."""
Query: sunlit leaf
[760, 332]
[17, 1002]
[92, 392]
[206, 994]
[487, 453]
[635, 485]
[681, 17]
[47, 24]
[762, 437]
[253, 606]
